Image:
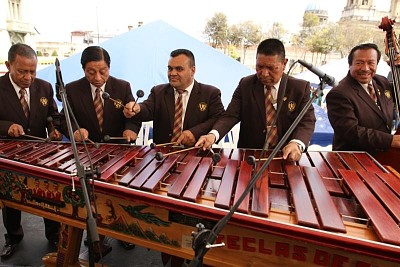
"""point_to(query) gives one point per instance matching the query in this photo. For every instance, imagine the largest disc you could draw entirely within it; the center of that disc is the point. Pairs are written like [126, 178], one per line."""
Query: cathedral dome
[317, 7]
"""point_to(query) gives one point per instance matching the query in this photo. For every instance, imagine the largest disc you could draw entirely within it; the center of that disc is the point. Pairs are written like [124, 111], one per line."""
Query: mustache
[365, 72]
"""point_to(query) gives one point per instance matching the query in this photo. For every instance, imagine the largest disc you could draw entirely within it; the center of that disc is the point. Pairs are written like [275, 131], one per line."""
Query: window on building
[365, 2]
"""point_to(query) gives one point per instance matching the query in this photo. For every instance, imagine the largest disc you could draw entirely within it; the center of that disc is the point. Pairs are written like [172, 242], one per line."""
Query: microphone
[322, 75]
[59, 79]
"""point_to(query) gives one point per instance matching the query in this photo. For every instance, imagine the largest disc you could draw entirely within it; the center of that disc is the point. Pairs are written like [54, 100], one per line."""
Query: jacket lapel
[13, 99]
[169, 99]
[34, 102]
[282, 91]
[193, 101]
[380, 94]
[87, 102]
[108, 105]
[367, 99]
[259, 96]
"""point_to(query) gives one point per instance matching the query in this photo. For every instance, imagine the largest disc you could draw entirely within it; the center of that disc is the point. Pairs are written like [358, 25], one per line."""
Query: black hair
[365, 46]
[95, 53]
[271, 47]
[21, 50]
[185, 52]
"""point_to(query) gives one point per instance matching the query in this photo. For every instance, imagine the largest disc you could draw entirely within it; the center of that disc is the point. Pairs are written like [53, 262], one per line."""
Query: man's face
[363, 67]
[22, 70]
[269, 69]
[180, 73]
[97, 72]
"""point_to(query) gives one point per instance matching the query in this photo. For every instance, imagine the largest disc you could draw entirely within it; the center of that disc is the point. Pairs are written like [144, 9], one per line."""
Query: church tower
[14, 26]
[395, 10]
[361, 10]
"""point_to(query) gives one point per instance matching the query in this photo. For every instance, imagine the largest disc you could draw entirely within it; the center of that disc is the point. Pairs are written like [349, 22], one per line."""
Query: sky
[55, 19]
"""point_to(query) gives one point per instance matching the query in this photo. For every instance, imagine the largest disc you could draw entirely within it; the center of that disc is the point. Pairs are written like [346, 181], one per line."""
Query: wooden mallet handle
[160, 156]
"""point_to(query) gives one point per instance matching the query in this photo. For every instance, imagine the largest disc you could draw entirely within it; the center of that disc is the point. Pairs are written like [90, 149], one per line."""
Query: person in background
[201, 104]
[360, 108]
[255, 101]
[98, 117]
[26, 103]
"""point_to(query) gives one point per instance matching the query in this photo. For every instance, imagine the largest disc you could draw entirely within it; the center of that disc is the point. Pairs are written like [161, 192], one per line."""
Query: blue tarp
[323, 133]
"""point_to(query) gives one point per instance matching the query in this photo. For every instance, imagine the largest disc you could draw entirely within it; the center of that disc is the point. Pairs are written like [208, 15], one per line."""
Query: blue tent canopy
[323, 133]
[141, 57]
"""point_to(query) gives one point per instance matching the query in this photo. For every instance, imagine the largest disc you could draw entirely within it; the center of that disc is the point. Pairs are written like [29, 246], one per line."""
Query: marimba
[328, 209]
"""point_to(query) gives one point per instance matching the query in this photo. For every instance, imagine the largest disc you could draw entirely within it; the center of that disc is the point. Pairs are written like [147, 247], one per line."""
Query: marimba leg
[68, 248]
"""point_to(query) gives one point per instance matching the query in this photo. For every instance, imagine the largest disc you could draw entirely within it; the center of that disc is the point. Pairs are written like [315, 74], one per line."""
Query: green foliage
[277, 31]
[319, 39]
[232, 52]
[310, 20]
[217, 29]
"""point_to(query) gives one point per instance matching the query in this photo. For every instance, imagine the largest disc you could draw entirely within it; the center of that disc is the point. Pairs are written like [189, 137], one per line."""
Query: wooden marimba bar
[330, 207]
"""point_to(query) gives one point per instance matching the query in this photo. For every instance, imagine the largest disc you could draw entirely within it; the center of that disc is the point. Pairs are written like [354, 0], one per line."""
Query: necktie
[372, 92]
[98, 107]
[24, 104]
[178, 117]
[270, 115]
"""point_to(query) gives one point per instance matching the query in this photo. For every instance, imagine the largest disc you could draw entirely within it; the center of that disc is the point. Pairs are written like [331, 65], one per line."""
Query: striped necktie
[24, 103]
[178, 116]
[371, 92]
[270, 115]
[98, 107]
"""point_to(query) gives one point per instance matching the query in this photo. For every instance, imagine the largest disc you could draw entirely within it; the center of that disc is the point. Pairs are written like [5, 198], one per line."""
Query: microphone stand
[203, 239]
[91, 225]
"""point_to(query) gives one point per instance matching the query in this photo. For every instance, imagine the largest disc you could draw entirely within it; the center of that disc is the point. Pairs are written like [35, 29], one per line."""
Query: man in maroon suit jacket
[96, 66]
[248, 105]
[21, 65]
[202, 106]
[96, 62]
[360, 123]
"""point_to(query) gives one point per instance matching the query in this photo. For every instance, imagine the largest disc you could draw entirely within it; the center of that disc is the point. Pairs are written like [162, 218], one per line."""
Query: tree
[309, 26]
[217, 30]
[349, 35]
[277, 31]
[321, 42]
[251, 35]
[235, 36]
